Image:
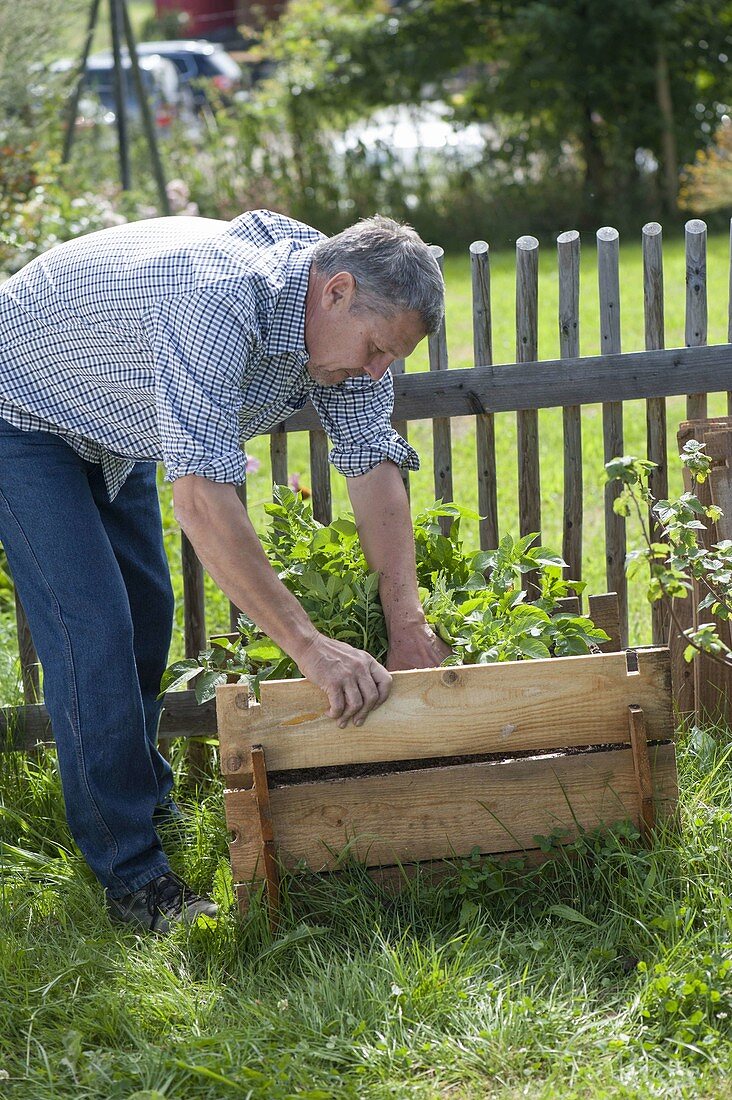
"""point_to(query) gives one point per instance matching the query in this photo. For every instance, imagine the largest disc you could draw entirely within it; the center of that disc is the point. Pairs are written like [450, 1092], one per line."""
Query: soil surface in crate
[388, 767]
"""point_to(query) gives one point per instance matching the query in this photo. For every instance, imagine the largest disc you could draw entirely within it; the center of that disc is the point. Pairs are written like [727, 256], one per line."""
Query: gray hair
[394, 269]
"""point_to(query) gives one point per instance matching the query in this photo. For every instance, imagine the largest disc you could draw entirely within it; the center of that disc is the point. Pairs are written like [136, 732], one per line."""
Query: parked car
[168, 97]
[199, 62]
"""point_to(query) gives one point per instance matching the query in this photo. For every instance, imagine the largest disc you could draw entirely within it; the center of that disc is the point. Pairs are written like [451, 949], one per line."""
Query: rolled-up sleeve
[356, 414]
[202, 343]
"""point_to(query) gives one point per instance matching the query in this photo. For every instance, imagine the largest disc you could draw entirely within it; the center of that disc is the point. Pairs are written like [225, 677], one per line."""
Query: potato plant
[474, 600]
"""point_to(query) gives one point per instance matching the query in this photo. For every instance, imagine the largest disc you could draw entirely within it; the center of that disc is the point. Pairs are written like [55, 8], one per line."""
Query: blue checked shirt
[176, 340]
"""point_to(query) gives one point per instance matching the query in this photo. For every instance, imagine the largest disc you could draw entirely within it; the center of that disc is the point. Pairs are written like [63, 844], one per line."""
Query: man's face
[343, 343]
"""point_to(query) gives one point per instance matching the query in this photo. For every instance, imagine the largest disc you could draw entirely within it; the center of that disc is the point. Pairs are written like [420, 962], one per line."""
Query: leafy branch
[678, 558]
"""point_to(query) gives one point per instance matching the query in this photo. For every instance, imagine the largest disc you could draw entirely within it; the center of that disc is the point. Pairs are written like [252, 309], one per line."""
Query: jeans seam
[69, 661]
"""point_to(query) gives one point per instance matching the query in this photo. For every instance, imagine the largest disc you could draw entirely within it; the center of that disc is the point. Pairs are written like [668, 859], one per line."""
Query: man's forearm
[229, 550]
[384, 523]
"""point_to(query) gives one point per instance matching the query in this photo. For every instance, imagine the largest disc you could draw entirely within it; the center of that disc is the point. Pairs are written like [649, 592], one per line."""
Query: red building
[216, 18]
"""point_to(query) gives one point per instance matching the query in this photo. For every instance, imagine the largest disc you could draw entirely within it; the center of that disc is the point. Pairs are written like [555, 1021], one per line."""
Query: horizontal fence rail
[480, 392]
[552, 383]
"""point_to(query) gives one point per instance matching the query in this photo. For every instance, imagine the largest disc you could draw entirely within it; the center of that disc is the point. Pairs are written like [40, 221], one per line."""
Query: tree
[627, 87]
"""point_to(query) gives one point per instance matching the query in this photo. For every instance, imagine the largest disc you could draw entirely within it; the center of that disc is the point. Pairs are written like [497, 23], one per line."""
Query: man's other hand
[354, 681]
[416, 648]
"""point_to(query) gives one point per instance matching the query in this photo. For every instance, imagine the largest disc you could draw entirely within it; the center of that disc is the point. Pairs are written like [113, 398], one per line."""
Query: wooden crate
[485, 757]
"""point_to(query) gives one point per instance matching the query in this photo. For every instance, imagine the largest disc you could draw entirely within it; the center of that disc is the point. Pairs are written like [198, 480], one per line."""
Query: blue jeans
[93, 579]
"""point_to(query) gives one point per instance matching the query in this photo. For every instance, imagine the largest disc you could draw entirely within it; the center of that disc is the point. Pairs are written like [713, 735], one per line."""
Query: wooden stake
[264, 810]
[642, 765]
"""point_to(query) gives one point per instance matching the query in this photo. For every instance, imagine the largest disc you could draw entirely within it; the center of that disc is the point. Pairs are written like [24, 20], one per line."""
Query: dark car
[199, 62]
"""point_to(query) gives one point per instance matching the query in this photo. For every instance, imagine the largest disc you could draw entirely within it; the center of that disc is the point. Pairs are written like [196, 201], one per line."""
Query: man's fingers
[337, 699]
[354, 702]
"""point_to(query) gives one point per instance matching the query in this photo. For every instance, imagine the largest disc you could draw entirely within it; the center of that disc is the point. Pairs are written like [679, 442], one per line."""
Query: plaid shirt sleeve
[201, 344]
[356, 414]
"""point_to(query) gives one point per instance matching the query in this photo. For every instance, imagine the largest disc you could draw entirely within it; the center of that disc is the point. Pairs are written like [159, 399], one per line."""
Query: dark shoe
[161, 904]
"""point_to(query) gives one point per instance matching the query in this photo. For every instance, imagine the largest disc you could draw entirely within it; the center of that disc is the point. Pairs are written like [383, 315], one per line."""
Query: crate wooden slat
[467, 710]
[436, 813]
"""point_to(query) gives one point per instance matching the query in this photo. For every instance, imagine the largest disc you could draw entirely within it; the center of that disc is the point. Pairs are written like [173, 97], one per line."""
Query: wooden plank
[551, 383]
[695, 234]
[485, 429]
[25, 729]
[642, 768]
[568, 257]
[278, 455]
[604, 611]
[434, 813]
[460, 711]
[655, 406]
[322, 499]
[234, 702]
[398, 367]
[612, 417]
[527, 421]
[29, 666]
[194, 604]
[441, 430]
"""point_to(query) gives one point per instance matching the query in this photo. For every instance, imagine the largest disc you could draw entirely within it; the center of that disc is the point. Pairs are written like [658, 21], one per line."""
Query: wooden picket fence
[485, 389]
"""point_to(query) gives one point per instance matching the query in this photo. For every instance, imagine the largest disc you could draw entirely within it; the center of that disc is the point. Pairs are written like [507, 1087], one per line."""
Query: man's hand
[354, 682]
[217, 524]
[417, 648]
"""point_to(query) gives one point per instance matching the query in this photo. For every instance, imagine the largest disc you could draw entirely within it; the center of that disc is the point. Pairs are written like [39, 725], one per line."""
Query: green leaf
[178, 674]
[206, 686]
[567, 913]
[532, 647]
[264, 650]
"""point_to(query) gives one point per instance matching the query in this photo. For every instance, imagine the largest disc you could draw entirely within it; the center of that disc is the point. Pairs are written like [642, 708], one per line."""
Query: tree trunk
[595, 182]
[669, 152]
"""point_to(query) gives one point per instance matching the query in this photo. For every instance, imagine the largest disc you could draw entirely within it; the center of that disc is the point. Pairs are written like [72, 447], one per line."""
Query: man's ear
[339, 291]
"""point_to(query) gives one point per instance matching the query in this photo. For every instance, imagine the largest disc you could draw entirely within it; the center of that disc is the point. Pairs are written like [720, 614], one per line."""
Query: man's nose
[377, 367]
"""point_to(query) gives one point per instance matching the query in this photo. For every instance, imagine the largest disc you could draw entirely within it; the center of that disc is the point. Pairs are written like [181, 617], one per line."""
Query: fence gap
[612, 416]
[568, 259]
[527, 351]
[653, 304]
[695, 334]
[441, 431]
[485, 428]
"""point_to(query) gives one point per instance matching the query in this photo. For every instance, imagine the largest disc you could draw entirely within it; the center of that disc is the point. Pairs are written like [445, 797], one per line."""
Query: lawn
[608, 974]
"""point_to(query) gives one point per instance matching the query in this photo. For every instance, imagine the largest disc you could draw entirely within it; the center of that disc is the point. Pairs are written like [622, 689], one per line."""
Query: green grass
[603, 975]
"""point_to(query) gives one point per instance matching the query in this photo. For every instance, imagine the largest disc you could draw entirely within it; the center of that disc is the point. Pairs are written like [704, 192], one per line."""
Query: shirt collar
[287, 329]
